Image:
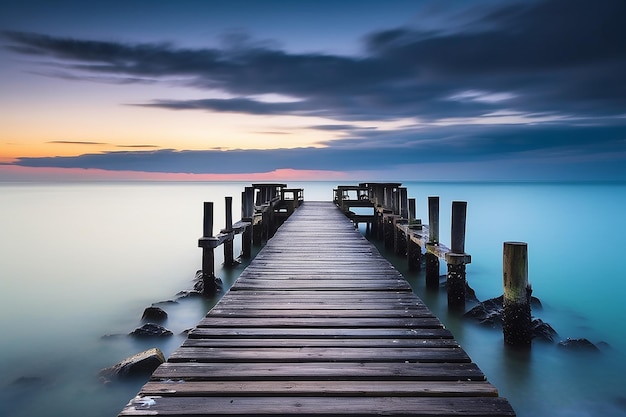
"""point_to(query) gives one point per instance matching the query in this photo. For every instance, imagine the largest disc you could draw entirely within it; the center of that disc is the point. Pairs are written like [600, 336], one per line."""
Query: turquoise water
[575, 242]
[81, 261]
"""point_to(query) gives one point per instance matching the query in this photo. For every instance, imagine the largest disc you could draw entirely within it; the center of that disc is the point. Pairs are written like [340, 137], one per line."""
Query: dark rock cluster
[491, 313]
[151, 330]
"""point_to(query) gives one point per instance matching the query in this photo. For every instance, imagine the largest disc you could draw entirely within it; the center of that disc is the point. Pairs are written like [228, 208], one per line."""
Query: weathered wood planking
[319, 324]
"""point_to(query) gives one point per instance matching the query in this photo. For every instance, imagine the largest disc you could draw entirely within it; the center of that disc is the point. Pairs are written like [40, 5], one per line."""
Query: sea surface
[79, 262]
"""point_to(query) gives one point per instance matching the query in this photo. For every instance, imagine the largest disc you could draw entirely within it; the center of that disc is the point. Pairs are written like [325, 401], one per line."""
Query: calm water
[81, 261]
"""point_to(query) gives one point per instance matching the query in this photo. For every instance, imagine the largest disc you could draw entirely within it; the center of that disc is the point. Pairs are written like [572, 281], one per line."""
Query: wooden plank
[326, 406]
[334, 388]
[317, 354]
[322, 295]
[304, 284]
[319, 313]
[319, 342]
[306, 304]
[303, 371]
[361, 332]
[306, 322]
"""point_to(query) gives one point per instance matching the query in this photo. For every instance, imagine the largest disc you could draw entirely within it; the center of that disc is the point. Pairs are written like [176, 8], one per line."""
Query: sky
[278, 89]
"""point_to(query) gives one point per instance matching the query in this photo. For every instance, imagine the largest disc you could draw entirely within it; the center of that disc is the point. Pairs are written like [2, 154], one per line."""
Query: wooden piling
[229, 259]
[459, 217]
[400, 238]
[432, 261]
[433, 219]
[379, 221]
[456, 279]
[412, 209]
[404, 203]
[247, 215]
[516, 323]
[414, 255]
[388, 226]
[207, 243]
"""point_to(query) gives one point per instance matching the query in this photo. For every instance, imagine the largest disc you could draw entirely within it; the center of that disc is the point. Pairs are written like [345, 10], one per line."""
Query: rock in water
[578, 345]
[151, 330]
[154, 314]
[542, 330]
[141, 364]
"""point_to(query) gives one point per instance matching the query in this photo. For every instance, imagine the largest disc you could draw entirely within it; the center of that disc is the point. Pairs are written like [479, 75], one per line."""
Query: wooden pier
[319, 324]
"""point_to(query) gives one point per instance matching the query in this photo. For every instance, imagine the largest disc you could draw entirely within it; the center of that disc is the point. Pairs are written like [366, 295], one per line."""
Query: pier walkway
[319, 324]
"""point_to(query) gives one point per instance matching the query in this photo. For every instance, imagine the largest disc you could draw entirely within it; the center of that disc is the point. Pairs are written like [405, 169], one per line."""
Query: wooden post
[395, 200]
[247, 215]
[228, 243]
[207, 243]
[374, 230]
[404, 203]
[340, 199]
[456, 279]
[516, 322]
[432, 261]
[433, 219]
[413, 250]
[414, 254]
[400, 238]
[459, 216]
[412, 209]
[386, 197]
[388, 233]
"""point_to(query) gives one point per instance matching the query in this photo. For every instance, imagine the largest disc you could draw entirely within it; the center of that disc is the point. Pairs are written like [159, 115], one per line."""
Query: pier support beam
[414, 255]
[404, 202]
[517, 324]
[400, 243]
[388, 226]
[456, 260]
[247, 215]
[229, 259]
[207, 242]
[432, 261]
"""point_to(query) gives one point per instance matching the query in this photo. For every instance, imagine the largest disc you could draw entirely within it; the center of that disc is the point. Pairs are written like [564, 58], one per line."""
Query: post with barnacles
[208, 243]
[516, 324]
[432, 261]
[456, 258]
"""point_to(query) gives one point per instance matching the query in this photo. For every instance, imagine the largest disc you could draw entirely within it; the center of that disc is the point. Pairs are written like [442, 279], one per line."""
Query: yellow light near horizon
[51, 117]
[80, 131]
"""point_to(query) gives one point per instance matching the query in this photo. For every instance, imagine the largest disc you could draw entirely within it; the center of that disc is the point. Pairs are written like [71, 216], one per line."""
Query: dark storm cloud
[560, 58]
[339, 127]
[236, 105]
[566, 56]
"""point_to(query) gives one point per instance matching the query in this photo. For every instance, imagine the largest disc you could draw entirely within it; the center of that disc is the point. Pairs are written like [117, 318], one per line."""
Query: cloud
[137, 146]
[236, 105]
[563, 56]
[519, 79]
[75, 142]
[335, 127]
